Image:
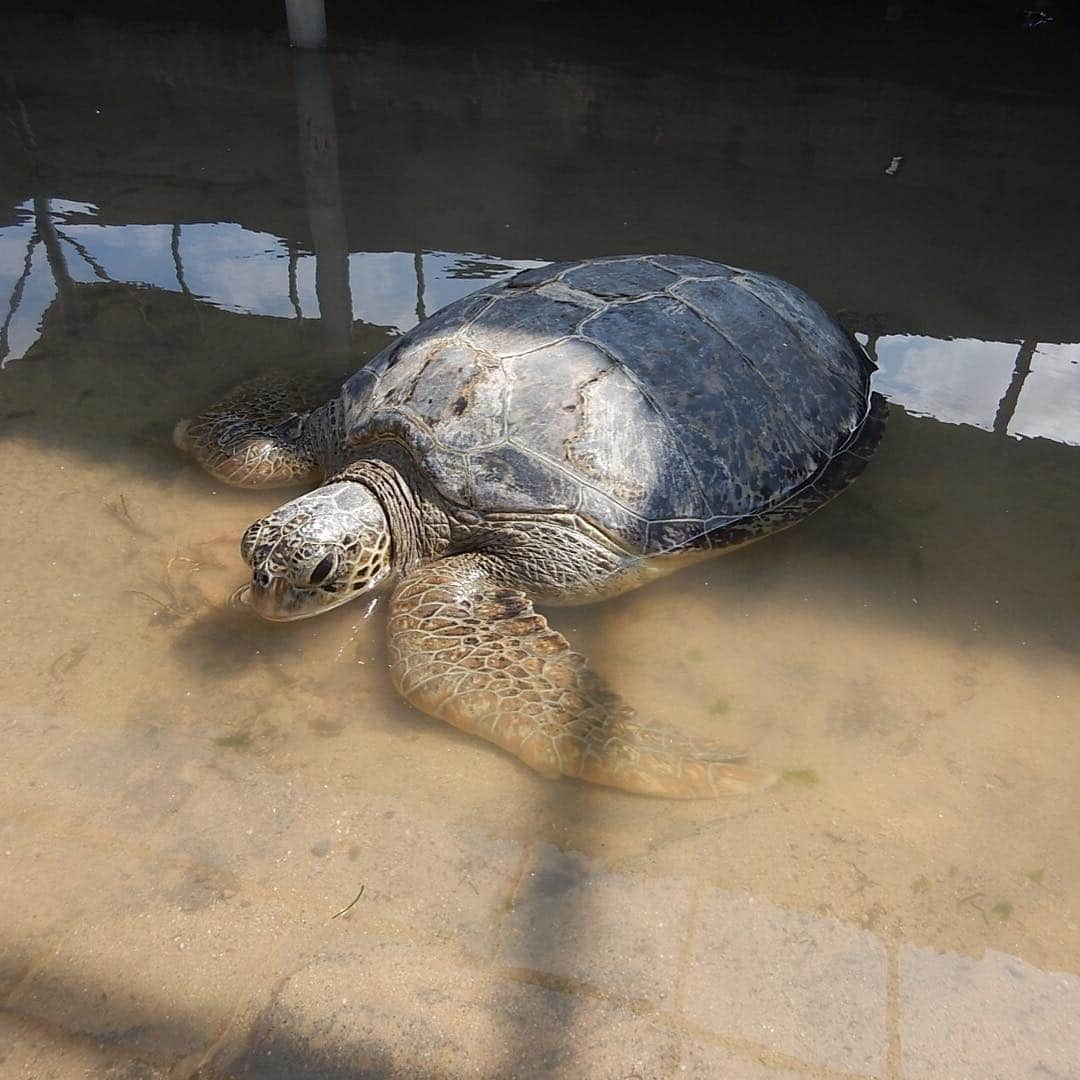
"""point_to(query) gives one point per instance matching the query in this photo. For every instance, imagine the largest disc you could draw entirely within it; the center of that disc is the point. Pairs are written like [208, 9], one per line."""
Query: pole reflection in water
[307, 23]
[16, 299]
[318, 149]
[46, 230]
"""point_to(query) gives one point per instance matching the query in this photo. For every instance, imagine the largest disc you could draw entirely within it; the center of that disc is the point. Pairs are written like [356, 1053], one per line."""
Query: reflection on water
[1049, 405]
[226, 265]
[191, 794]
[963, 381]
[1030, 390]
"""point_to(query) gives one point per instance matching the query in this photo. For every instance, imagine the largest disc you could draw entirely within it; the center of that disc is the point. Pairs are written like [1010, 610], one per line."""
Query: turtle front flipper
[264, 433]
[468, 649]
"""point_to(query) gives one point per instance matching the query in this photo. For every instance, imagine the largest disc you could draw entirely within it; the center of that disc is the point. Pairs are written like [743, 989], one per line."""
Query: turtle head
[316, 552]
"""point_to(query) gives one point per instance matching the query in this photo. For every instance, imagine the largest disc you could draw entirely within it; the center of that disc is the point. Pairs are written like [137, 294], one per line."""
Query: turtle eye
[323, 570]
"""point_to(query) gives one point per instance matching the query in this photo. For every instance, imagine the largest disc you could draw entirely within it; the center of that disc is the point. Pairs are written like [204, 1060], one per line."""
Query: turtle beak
[279, 601]
[240, 598]
[272, 602]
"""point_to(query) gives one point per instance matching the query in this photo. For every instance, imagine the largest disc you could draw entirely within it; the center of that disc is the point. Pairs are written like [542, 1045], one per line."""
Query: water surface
[181, 208]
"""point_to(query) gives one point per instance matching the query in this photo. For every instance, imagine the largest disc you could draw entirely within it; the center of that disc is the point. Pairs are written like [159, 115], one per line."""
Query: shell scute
[449, 321]
[817, 396]
[617, 279]
[691, 266]
[513, 478]
[738, 441]
[460, 395]
[521, 322]
[581, 409]
[821, 337]
[538, 275]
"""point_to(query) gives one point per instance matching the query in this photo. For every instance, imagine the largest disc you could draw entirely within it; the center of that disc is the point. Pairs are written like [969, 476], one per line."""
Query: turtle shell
[667, 400]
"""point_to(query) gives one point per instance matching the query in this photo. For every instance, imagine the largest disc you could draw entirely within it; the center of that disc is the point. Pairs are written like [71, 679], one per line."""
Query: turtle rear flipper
[471, 651]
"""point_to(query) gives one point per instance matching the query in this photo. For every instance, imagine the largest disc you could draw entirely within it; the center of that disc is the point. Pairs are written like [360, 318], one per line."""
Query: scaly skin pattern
[468, 648]
[264, 433]
[316, 552]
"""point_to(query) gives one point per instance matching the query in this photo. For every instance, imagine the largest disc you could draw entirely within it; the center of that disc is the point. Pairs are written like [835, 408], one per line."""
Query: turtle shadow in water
[232, 643]
[224, 642]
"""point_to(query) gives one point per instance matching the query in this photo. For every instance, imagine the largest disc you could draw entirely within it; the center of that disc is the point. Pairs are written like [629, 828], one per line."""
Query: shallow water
[188, 791]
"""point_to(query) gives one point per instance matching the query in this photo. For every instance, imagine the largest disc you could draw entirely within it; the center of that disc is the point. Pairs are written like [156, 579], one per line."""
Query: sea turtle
[559, 437]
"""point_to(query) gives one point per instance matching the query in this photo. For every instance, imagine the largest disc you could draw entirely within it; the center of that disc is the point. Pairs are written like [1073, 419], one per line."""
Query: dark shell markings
[668, 401]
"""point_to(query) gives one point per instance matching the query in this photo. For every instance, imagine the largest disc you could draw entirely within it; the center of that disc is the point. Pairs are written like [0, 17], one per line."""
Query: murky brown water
[909, 655]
